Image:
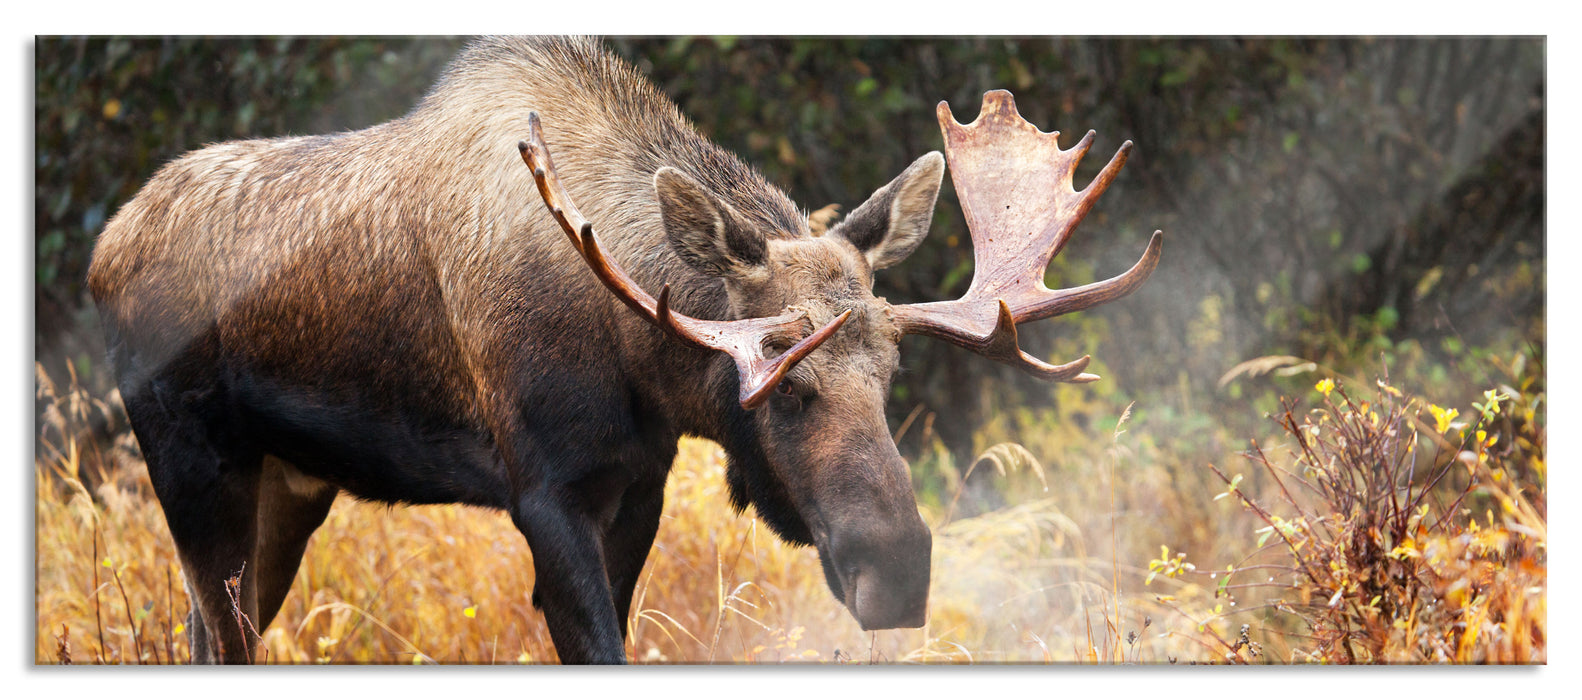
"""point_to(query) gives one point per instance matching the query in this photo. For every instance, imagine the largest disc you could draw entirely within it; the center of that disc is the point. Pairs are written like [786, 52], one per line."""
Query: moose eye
[786, 398]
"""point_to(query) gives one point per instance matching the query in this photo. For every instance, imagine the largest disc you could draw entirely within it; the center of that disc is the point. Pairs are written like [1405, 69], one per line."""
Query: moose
[390, 312]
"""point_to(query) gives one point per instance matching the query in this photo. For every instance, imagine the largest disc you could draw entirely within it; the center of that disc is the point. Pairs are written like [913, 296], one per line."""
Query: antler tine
[536, 154]
[1107, 175]
[1016, 189]
[1087, 196]
[537, 157]
[1002, 345]
[628, 291]
[752, 394]
[742, 339]
[1077, 153]
[1087, 296]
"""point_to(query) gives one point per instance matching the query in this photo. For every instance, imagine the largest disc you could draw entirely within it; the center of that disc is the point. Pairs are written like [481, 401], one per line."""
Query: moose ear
[890, 225]
[706, 232]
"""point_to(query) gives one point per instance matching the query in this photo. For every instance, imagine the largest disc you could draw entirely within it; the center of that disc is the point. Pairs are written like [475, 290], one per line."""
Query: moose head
[814, 350]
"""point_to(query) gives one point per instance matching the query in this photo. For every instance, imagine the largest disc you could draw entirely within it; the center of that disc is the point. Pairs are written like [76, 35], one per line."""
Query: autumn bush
[1390, 530]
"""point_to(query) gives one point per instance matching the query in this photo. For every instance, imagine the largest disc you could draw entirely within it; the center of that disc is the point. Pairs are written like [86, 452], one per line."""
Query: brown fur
[392, 312]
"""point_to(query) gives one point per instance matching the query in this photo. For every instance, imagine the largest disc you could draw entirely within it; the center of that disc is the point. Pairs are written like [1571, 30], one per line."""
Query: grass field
[1382, 529]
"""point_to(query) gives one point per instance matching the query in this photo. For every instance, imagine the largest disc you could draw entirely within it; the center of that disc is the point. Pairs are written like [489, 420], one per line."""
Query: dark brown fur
[392, 312]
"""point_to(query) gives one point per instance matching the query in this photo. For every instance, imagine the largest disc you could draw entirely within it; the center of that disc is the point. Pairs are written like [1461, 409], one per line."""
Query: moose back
[410, 314]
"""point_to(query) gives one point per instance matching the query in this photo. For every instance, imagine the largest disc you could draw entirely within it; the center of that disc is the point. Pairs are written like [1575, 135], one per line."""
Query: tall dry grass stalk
[1056, 577]
[451, 584]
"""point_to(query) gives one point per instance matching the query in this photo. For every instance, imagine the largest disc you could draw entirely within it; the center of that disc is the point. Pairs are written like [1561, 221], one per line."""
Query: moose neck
[610, 131]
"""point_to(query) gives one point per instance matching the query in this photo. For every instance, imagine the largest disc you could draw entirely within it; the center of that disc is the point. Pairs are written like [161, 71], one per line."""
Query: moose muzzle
[879, 568]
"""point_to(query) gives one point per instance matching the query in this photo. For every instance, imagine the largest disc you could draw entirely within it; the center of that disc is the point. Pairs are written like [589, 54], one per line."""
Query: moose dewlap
[396, 313]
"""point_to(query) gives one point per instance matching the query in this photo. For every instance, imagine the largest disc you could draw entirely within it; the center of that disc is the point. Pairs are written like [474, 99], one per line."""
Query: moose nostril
[881, 600]
[886, 575]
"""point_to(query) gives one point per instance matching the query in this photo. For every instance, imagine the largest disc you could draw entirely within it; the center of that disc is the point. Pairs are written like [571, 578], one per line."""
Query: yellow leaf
[470, 611]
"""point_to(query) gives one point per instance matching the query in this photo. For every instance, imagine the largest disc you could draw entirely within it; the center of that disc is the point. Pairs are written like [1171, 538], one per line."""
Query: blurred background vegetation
[1336, 207]
[1338, 200]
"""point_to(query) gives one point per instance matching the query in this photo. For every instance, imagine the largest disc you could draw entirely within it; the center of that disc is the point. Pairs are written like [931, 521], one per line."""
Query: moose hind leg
[216, 545]
[291, 506]
[209, 493]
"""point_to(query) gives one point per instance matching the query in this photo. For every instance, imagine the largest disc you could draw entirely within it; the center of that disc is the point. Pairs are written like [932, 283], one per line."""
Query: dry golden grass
[1059, 576]
[450, 584]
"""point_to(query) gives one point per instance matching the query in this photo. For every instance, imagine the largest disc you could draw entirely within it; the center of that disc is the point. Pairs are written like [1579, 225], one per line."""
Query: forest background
[1342, 210]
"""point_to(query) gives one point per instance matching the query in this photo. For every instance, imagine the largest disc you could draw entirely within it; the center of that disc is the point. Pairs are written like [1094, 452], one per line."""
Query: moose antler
[1014, 184]
[742, 339]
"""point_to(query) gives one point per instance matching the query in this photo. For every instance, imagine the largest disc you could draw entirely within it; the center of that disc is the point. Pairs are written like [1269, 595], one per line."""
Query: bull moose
[389, 312]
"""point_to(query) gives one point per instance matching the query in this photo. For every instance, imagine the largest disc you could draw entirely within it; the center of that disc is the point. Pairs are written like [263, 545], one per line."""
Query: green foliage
[110, 111]
[1343, 201]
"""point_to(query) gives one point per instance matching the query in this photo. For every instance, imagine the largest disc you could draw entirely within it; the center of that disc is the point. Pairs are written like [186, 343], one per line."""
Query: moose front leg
[627, 541]
[570, 586]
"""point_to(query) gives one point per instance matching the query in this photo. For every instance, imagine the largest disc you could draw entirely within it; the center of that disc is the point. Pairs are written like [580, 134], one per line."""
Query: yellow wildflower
[1442, 417]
